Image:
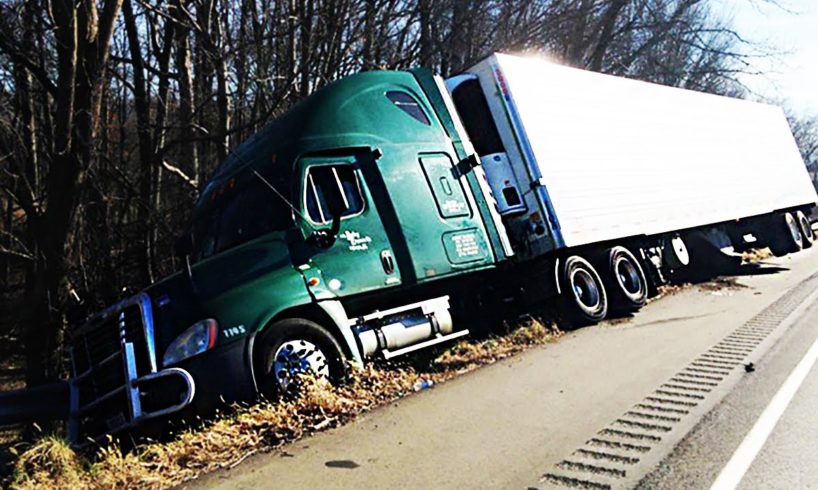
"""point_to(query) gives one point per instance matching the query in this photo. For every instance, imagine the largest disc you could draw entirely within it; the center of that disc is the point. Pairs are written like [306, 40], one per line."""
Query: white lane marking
[734, 471]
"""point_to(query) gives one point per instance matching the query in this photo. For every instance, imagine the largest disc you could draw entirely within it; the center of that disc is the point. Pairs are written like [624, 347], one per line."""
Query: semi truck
[386, 211]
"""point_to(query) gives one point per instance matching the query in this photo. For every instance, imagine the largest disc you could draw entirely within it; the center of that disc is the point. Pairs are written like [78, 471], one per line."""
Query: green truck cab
[335, 232]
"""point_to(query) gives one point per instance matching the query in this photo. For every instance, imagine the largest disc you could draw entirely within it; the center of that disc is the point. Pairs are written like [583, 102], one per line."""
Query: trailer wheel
[584, 298]
[807, 236]
[624, 280]
[786, 235]
[293, 347]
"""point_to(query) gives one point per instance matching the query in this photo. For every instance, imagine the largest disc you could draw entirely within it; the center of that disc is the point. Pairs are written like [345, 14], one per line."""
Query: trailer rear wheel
[807, 236]
[786, 235]
[584, 298]
[624, 280]
[293, 347]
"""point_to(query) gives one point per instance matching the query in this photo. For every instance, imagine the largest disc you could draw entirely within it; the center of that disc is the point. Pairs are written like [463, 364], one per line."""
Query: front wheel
[294, 347]
[584, 298]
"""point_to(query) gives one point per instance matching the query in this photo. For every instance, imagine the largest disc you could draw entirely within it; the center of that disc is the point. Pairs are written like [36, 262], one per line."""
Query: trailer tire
[786, 235]
[807, 236]
[291, 347]
[624, 280]
[584, 300]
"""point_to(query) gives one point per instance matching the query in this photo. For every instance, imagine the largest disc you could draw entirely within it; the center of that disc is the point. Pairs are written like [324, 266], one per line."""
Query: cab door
[441, 229]
[360, 258]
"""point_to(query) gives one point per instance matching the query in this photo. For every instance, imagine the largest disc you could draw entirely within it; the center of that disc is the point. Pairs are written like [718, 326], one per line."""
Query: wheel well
[306, 312]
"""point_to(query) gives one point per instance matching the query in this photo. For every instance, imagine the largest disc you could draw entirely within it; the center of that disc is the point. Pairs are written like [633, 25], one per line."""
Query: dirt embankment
[245, 430]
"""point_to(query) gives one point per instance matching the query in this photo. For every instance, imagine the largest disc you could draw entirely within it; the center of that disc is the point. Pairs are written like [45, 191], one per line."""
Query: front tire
[584, 300]
[624, 280]
[293, 347]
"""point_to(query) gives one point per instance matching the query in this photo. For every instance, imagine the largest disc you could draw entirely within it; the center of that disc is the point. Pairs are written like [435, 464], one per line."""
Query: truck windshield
[248, 213]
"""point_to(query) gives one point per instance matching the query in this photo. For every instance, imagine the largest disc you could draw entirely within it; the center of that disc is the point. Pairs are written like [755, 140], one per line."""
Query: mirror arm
[326, 238]
[335, 227]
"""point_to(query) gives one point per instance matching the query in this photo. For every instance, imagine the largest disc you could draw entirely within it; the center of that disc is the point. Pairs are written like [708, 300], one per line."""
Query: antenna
[234, 153]
[280, 195]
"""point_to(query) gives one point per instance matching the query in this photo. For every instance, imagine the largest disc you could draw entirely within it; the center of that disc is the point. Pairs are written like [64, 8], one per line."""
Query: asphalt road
[509, 424]
[785, 454]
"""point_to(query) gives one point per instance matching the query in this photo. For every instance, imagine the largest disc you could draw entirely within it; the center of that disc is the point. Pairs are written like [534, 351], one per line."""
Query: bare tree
[81, 37]
[805, 130]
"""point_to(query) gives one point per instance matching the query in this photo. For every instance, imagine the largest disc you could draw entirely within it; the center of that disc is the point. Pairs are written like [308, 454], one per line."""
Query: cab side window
[409, 105]
[317, 186]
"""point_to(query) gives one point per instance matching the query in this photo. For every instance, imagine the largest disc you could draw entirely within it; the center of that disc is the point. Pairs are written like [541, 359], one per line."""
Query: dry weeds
[756, 255]
[232, 437]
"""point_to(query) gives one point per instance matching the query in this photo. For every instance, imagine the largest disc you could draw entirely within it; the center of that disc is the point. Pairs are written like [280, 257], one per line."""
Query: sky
[791, 30]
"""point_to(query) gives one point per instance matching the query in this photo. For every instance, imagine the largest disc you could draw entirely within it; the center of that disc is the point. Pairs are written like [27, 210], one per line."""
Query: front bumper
[143, 398]
[222, 375]
[115, 383]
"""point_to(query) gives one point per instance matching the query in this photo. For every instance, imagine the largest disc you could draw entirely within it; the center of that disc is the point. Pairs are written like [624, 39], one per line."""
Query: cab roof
[352, 112]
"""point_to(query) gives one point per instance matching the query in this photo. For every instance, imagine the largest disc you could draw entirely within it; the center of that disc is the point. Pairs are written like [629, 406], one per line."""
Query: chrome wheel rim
[806, 226]
[795, 229]
[628, 277]
[296, 357]
[585, 289]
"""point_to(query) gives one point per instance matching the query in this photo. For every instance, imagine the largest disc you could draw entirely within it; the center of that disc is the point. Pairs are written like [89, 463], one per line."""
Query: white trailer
[576, 159]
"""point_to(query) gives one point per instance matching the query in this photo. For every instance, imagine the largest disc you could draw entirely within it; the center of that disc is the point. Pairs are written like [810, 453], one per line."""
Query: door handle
[387, 262]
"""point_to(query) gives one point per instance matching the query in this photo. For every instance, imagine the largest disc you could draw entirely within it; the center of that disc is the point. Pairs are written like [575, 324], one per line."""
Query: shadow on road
[707, 269]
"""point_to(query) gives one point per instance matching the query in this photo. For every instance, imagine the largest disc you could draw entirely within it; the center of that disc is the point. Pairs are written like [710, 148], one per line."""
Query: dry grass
[231, 438]
[756, 255]
[50, 462]
[670, 289]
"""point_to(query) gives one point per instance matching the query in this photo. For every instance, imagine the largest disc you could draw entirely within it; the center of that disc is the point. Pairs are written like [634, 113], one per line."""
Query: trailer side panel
[617, 157]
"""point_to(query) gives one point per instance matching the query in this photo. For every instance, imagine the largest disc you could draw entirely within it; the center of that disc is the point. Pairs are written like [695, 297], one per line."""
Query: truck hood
[181, 300]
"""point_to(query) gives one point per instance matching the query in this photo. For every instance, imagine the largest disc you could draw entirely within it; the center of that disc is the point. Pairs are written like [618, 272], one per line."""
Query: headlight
[200, 337]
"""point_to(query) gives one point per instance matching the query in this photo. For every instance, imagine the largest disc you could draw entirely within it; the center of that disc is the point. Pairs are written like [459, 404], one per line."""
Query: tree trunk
[426, 48]
[222, 99]
[189, 152]
[606, 33]
[146, 147]
[83, 40]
